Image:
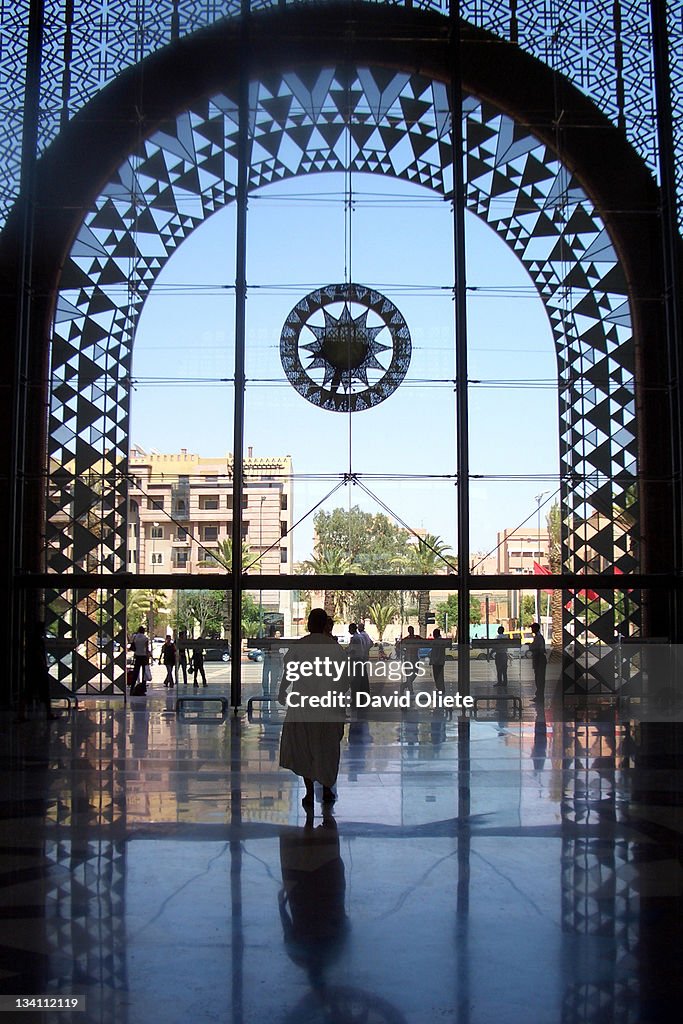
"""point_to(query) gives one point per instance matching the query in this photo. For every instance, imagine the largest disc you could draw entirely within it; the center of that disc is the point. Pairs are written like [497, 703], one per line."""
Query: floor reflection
[473, 870]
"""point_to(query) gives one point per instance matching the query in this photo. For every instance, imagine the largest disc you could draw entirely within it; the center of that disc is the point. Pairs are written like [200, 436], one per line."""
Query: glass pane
[381, 467]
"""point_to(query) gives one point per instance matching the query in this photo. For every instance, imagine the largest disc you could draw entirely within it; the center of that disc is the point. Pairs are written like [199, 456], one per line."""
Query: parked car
[216, 650]
[255, 654]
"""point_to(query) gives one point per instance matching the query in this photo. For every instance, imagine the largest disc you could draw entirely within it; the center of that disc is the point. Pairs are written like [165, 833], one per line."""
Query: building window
[181, 533]
[181, 507]
[245, 501]
[208, 502]
[181, 559]
[283, 555]
[155, 504]
[210, 533]
[157, 558]
[132, 557]
[283, 502]
[283, 529]
[157, 532]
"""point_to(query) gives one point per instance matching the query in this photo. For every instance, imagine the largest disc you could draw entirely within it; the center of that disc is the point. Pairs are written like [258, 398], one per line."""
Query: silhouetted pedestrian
[167, 656]
[140, 646]
[310, 739]
[181, 657]
[539, 662]
[437, 659]
[500, 657]
[357, 665]
[197, 665]
[409, 652]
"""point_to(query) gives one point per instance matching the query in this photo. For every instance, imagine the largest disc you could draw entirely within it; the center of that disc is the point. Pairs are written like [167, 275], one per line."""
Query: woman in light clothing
[310, 738]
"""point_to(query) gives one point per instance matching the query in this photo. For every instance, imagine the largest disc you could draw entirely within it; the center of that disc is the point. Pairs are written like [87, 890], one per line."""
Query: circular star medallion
[345, 347]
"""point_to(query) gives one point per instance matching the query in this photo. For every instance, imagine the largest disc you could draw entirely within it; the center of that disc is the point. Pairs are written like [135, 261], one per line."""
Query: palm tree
[223, 555]
[554, 523]
[331, 561]
[382, 613]
[145, 604]
[428, 556]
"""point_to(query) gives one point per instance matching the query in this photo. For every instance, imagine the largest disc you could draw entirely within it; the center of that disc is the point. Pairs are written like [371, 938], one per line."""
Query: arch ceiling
[399, 125]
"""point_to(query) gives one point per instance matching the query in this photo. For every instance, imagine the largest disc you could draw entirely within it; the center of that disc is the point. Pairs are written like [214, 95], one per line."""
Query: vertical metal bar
[243, 156]
[68, 52]
[29, 155]
[461, 397]
[619, 65]
[672, 295]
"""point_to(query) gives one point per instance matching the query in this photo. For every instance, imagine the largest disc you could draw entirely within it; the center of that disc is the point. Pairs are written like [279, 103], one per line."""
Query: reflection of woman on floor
[310, 739]
[311, 900]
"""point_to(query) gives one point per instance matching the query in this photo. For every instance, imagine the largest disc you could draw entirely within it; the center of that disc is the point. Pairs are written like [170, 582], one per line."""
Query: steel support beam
[243, 159]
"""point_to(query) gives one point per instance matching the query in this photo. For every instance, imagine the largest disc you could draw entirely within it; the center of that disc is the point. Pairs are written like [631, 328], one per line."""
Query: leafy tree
[370, 540]
[222, 554]
[449, 608]
[528, 609]
[200, 608]
[251, 617]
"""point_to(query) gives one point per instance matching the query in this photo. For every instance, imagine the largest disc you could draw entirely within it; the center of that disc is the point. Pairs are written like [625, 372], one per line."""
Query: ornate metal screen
[602, 46]
[514, 183]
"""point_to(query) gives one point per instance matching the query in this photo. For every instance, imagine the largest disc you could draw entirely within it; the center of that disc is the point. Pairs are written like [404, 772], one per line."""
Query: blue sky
[400, 244]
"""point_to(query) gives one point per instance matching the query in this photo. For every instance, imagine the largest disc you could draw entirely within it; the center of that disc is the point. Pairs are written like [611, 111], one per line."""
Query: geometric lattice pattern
[598, 896]
[602, 46]
[13, 43]
[74, 880]
[399, 126]
[343, 349]
[675, 25]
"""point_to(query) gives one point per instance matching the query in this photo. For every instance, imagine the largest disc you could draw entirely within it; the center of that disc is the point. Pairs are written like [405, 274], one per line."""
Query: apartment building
[517, 550]
[181, 513]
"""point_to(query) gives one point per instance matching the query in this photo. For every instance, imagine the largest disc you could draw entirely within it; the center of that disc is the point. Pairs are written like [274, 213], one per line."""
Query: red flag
[620, 572]
[541, 570]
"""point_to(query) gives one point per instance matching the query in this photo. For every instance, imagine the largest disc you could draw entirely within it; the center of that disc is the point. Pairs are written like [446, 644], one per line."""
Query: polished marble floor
[471, 871]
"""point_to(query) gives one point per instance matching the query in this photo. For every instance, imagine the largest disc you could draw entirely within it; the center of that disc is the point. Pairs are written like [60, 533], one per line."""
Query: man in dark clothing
[197, 665]
[437, 659]
[499, 652]
[168, 656]
[539, 661]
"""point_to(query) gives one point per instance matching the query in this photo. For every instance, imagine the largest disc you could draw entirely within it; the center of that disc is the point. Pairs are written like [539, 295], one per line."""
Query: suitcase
[140, 688]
